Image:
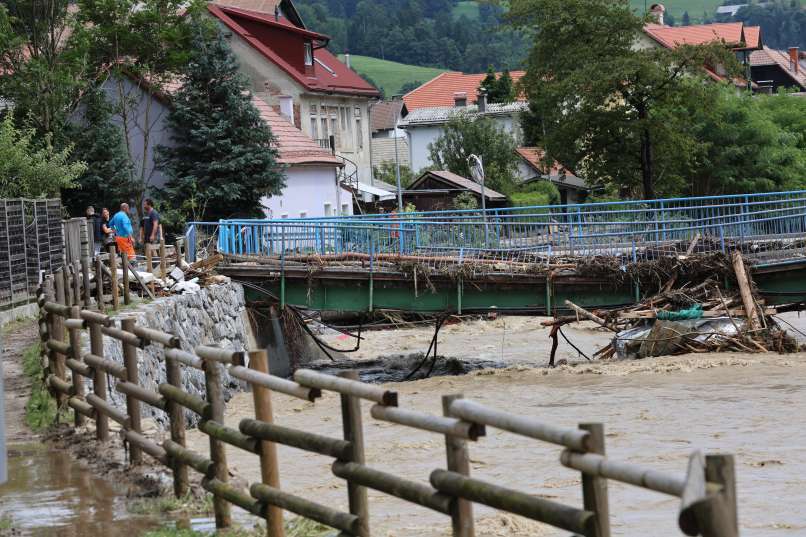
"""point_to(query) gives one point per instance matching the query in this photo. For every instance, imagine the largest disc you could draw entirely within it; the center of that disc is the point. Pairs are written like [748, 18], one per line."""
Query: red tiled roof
[459, 182]
[534, 157]
[439, 90]
[294, 146]
[328, 73]
[384, 114]
[732, 33]
[771, 56]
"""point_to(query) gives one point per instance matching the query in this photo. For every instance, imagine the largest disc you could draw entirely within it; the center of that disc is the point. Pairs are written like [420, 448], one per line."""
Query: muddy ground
[656, 412]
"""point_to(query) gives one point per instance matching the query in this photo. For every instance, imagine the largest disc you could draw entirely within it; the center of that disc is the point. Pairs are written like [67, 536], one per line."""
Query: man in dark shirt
[151, 223]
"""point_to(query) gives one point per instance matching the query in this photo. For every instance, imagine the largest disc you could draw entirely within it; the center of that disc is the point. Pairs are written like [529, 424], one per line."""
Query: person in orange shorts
[122, 225]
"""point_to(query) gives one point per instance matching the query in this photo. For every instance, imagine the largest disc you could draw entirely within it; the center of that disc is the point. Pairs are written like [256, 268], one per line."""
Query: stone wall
[216, 315]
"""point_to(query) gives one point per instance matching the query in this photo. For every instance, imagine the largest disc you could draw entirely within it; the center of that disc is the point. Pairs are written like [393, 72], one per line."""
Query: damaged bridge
[525, 259]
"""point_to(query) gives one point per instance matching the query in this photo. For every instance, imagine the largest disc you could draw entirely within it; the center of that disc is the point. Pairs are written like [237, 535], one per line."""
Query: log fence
[706, 492]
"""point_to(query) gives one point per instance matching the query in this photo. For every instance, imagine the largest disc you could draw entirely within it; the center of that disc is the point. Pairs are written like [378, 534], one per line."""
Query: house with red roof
[289, 63]
[773, 69]
[741, 39]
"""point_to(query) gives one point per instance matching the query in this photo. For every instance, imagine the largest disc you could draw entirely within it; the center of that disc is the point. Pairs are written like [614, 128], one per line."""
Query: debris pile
[722, 312]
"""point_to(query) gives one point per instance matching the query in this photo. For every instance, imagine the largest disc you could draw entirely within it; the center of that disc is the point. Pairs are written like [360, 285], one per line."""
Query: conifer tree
[222, 161]
[489, 83]
[109, 178]
[504, 89]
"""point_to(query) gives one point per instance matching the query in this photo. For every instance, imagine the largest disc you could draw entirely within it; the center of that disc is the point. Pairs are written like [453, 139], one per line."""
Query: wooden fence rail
[707, 491]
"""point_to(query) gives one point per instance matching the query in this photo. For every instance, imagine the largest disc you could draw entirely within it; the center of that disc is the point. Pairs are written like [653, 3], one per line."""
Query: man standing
[122, 225]
[151, 223]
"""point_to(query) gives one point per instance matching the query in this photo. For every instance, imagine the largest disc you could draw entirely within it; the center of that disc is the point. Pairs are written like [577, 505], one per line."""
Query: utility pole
[397, 159]
[477, 171]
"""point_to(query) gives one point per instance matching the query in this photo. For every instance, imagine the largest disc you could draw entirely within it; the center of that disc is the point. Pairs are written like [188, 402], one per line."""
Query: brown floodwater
[655, 411]
[49, 493]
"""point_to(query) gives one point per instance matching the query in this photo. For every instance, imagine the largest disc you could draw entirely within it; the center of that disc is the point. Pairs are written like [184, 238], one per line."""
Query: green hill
[391, 76]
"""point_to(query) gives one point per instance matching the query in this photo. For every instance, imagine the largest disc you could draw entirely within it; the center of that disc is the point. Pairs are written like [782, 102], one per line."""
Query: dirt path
[17, 385]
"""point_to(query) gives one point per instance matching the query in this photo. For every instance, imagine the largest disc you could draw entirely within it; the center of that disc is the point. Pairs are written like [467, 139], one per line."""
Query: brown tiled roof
[459, 182]
[558, 173]
[771, 56]
[384, 114]
[734, 34]
[294, 146]
[439, 90]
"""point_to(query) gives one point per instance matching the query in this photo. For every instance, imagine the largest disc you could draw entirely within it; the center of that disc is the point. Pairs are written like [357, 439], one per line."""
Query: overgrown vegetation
[41, 410]
[188, 504]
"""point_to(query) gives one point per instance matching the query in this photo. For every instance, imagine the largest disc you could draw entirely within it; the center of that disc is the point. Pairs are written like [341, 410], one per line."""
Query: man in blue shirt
[122, 225]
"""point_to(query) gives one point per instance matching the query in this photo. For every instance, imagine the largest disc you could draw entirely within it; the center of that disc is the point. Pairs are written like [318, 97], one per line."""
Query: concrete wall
[144, 121]
[216, 315]
[308, 189]
[383, 150]
[420, 137]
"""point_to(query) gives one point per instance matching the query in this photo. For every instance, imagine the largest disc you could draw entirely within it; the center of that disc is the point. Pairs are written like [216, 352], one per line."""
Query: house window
[359, 137]
[303, 214]
[284, 215]
[328, 209]
[345, 209]
[314, 128]
[308, 54]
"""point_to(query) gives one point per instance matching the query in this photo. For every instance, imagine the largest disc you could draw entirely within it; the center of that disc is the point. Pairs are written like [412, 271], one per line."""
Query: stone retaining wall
[216, 315]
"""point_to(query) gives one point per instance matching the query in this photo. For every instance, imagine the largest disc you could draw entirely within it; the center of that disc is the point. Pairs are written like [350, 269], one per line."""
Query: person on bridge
[122, 225]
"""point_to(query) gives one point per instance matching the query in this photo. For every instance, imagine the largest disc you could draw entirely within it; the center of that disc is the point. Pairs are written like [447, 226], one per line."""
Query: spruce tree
[108, 179]
[223, 160]
[686, 19]
[504, 89]
[490, 84]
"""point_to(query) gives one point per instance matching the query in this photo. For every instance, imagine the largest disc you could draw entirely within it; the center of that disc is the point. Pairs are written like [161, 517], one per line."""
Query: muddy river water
[655, 411]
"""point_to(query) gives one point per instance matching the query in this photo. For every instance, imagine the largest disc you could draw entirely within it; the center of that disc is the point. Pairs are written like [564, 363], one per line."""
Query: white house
[312, 185]
[284, 61]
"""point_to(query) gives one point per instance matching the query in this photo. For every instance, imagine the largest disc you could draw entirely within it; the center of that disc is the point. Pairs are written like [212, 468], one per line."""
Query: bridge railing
[706, 492]
[633, 229]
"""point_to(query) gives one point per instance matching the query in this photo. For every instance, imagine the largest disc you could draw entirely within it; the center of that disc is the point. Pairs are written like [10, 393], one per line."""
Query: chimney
[794, 59]
[482, 100]
[656, 12]
[277, 12]
[460, 98]
[347, 60]
[287, 107]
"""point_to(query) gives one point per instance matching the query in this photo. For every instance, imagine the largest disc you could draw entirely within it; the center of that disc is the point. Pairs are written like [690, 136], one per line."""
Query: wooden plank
[346, 386]
[594, 488]
[745, 290]
[354, 434]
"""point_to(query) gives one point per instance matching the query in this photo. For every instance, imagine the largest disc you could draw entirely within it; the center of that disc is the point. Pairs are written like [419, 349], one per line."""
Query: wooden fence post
[354, 433]
[99, 283]
[85, 279]
[127, 299]
[176, 414]
[163, 261]
[58, 334]
[459, 462]
[67, 288]
[75, 351]
[49, 296]
[99, 381]
[720, 469]
[212, 378]
[149, 258]
[76, 283]
[113, 270]
[594, 489]
[269, 468]
[132, 375]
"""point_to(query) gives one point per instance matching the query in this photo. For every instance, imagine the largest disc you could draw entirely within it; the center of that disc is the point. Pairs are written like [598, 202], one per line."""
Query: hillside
[391, 76]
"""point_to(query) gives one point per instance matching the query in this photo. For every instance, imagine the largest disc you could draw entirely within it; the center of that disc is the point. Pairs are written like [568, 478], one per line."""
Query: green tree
[686, 21]
[465, 201]
[33, 170]
[535, 193]
[43, 67]
[747, 144]
[489, 83]
[466, 135]
[108, 179]
[504, 89]
[610, 116]
[386, 172]
[223, 160]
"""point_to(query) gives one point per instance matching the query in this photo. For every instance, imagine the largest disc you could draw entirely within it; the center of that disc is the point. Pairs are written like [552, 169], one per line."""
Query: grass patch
[16, 324]
[468, 8]
[163, 505]
[41, 410]
[6, 523]
[391, 76]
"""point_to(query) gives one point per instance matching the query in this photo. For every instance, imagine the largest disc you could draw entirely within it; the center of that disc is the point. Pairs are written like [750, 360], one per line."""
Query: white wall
[421, 136]
[307, 190]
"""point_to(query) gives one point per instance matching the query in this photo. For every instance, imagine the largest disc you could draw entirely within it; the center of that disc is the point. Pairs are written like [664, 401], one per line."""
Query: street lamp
[477, 171]
[397, 160]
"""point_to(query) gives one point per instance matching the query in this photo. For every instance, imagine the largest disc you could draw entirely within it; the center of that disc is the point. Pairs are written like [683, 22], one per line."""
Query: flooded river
[655, 411]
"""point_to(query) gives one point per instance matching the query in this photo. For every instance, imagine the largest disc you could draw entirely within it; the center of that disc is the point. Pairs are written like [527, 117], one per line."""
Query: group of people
[119, 231]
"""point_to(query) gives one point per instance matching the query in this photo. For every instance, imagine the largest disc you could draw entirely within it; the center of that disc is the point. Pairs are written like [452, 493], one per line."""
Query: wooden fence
[707, 491]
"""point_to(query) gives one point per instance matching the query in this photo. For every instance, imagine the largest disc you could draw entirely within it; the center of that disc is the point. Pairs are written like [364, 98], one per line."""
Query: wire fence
[768, 227]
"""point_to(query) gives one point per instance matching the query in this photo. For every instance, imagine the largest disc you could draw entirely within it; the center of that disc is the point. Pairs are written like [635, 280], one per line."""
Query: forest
[430, 33]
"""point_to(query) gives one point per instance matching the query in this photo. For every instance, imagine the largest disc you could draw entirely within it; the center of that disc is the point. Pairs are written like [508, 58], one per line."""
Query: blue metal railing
[771, 224]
